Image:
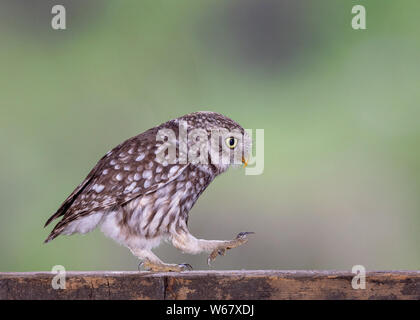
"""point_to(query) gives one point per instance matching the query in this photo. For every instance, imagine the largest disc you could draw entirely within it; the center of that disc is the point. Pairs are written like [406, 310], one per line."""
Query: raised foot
[240, 239]
[164, 267]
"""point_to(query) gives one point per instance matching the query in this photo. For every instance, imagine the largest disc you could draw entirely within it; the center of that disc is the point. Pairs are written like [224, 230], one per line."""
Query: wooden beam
[259, 284]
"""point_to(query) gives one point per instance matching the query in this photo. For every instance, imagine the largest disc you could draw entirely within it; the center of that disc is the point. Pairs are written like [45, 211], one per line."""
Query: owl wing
[70, 199]
[126, 172]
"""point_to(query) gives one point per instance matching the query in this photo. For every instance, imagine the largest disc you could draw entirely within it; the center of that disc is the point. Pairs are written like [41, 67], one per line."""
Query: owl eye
[231, 142]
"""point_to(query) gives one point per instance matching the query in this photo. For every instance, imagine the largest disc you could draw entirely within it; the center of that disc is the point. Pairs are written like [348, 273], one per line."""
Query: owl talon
[240, 239]
[243, 235]
[185, 267]
[163, 267]
[217, 252]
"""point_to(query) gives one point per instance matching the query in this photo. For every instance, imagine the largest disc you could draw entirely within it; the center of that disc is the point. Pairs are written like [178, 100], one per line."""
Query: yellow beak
[245, 162]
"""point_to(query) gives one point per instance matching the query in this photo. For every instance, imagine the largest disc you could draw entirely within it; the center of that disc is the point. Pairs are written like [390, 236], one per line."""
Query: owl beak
[245, 162]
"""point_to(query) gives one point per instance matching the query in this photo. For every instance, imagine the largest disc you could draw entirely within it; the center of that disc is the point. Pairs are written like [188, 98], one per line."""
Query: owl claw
[213, 255]
[163, 267]
[243, 235]
[240, 239]
[185, 267]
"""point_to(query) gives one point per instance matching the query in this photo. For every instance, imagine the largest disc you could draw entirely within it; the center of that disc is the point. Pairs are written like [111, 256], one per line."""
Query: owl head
[210, 139]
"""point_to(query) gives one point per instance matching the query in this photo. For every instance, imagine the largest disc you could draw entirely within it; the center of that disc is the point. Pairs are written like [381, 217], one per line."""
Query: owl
[141, 191]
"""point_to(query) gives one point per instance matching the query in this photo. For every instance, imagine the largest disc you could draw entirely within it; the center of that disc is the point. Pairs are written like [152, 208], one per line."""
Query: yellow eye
[231, 142]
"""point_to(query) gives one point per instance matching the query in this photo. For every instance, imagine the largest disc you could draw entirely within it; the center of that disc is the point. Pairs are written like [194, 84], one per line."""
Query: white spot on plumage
[130, 187]
[159, 169]
[146, 184]
[117, 167]
[112, 162]
[98, 187]
[140, 157]
[119, 177]
[105, 172]
[137, 177]
[147, 174]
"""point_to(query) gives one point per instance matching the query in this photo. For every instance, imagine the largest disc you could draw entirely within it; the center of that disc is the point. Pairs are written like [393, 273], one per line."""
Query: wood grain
[256, 284]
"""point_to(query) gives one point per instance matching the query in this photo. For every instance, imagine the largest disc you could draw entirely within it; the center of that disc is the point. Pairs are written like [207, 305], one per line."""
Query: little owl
[141, 191]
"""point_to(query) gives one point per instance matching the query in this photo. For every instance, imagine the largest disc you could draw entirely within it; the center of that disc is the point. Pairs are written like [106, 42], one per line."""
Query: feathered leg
[187, 243]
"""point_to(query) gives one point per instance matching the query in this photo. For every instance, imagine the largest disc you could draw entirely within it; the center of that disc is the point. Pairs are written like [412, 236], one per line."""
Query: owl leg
[187, 243]
[152, 263]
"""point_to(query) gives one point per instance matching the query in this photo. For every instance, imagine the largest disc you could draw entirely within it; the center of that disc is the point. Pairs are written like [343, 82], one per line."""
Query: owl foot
[164, 267]
[240, 239]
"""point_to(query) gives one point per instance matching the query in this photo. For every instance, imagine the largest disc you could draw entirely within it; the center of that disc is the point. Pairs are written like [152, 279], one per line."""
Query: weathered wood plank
[261, 284]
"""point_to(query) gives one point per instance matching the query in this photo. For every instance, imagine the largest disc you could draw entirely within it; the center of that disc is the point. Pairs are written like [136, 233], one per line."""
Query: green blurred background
[340, 110]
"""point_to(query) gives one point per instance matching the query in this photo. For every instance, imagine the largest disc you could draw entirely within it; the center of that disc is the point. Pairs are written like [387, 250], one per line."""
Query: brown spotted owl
[141, 191]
